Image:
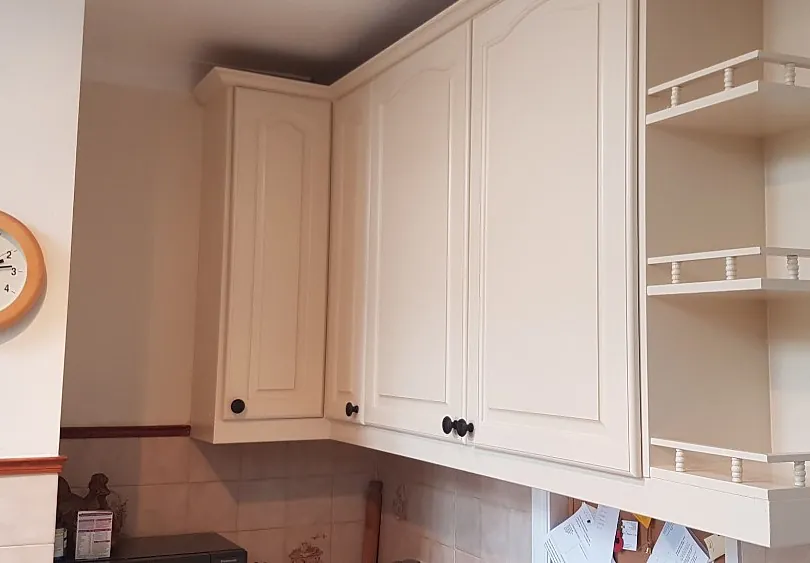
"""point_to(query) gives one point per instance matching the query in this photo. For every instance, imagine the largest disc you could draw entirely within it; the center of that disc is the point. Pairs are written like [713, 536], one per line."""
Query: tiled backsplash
[432, 513]
[270, 498]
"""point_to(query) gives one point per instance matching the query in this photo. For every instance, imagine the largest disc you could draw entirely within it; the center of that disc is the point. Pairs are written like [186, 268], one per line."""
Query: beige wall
[132, 292]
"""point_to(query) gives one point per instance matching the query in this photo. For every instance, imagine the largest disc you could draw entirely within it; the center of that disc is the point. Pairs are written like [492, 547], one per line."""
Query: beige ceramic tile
[347, 542]
[231, 536]
[347, 458]
[349, 498]
[27, 509]
[209, 462]
[434, 511]
[506, 494]
[468, 525]
[264, 546]
[27, 553]
[520, 536]
[462, 557]
[155, 510]
[118, 458]
[440, 477]
[494, 532]
[309, 458]
[261, 504]
[164, 460]
[400, 540]
[264, 461]
[438, 553]
[309, 501]
[316, 538]
[212, 507]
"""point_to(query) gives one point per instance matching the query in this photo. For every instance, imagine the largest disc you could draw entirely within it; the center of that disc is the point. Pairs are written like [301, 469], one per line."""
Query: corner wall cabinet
[263, 263]
[560, 254]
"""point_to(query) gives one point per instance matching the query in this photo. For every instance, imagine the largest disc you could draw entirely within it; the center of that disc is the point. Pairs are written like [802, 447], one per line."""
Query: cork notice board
[646, 537]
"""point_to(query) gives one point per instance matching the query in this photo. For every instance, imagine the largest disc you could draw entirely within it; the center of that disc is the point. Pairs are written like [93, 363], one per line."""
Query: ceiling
[172, 43]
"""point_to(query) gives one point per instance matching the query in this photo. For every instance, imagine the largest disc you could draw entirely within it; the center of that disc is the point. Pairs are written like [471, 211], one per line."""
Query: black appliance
[189, 548]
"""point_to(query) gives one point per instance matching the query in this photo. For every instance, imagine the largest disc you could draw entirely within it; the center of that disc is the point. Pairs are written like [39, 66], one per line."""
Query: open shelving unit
[726, 245]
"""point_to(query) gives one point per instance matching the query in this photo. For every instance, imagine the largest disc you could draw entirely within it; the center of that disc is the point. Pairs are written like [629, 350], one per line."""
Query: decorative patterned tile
[315, 540]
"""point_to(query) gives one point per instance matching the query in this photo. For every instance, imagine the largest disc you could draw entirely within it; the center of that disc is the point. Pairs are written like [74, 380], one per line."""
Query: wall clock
[22, 271]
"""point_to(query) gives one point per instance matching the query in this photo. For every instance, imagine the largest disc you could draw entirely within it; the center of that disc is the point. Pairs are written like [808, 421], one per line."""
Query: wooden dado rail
[31, 466]
[88, 432]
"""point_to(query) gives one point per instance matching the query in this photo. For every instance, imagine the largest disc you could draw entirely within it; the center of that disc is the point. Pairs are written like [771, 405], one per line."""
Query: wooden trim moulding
[87, 432]
[31, 466]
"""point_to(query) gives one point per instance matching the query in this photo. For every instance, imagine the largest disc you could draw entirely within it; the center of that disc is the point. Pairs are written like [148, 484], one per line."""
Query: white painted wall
[40, 62]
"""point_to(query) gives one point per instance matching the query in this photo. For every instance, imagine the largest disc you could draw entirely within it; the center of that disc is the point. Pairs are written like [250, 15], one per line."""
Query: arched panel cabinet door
[417, 214]
[552, 332]
[347, 257]
[279, 215]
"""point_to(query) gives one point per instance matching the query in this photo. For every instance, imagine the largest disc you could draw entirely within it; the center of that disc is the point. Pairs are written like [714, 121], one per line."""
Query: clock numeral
[8, 255]
[13, 271]
[6, 289]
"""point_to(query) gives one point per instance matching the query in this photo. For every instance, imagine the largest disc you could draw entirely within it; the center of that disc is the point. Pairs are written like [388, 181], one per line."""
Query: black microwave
[188, 548]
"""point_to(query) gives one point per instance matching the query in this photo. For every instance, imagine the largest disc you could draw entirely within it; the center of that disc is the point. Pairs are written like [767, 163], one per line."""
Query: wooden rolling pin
[371, 534]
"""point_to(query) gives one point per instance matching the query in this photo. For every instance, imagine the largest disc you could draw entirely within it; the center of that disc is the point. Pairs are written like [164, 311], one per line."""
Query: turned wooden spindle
[680, 461]
[793, 267]
[676, 272]
[799, 473]
[736, 470]
[728, 78]
[675, 96]
[790, 74]
[731, 268]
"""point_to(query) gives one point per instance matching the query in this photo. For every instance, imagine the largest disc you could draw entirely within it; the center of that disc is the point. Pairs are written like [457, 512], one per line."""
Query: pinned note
[643, 520]
[585, 537]
[629, 535]
[676, 544]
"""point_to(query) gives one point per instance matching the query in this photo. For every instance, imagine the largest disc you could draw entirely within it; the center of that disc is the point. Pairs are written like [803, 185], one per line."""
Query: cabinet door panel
[551, 342]
[417, 238]
[278, 249]
[347, 261]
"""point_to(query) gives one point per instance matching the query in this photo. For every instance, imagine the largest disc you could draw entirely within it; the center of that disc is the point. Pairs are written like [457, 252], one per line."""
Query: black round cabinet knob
[352, 409]
[237, 406]
[448, 424]
[463, 427]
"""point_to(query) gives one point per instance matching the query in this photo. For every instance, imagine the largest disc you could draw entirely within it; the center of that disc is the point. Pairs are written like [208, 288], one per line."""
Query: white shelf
[749, 288]
[755, 109]
[728, 452]
[733, 252]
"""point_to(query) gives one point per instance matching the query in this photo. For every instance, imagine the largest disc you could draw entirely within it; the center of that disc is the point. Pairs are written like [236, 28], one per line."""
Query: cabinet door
[278, 255]
[552, 299]
[347, 257]
[417, 249]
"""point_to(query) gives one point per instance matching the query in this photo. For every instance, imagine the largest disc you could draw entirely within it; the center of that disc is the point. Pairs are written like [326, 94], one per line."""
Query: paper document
[585, 537]
[677, 545]
[630, 535]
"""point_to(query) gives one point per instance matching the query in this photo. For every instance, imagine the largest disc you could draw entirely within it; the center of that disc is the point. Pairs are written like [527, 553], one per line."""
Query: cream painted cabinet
[347, 261]
[552, 360]
[263, 266]
[414, 364]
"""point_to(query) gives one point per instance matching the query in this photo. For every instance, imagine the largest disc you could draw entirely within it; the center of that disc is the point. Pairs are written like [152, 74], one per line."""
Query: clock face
[13, 270]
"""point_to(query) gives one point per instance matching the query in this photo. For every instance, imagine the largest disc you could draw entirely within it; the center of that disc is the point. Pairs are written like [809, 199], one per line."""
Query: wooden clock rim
[35, 266]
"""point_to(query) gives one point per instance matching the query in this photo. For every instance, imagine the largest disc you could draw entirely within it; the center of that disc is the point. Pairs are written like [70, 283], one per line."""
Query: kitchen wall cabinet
[263, 263]
[345, 360]
[552, 359]
[414, 340]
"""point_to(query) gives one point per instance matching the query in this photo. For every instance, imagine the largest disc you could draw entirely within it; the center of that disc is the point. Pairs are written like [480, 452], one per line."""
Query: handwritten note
[585, 537]
[677, 545]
